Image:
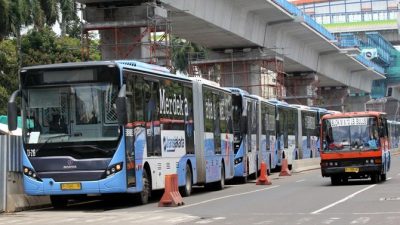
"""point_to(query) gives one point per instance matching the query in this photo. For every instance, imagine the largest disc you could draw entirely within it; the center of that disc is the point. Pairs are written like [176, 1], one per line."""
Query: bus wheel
[58, 201]
[187, 189]
[144, 195]
[374, 178]
[383, 176]
[221, 184]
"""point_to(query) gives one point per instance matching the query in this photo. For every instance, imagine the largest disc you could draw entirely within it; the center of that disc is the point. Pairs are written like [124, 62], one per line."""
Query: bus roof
[238, 91]
[353, 114]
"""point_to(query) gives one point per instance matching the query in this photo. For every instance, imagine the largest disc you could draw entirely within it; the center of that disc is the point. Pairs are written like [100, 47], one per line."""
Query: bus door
[251, 137]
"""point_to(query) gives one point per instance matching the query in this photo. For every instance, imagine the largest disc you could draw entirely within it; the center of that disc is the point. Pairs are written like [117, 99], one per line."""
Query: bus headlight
[238, 160]
[369, 161]
[113, 169]
[31, 173]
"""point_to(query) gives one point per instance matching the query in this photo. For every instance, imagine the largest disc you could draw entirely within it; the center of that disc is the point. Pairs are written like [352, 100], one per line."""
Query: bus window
[152, 117]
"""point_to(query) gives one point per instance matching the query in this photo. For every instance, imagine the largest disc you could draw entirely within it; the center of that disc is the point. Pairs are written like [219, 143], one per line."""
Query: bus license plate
[351, 170]
[71, 186]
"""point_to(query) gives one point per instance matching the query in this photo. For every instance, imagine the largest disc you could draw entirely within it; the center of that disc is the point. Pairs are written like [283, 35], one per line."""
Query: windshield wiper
[93, 147]
[50, 138]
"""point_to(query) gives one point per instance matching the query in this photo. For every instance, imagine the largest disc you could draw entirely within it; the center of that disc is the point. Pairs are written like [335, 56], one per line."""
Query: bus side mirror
[12, 111]
[121, 106]
[121, 111]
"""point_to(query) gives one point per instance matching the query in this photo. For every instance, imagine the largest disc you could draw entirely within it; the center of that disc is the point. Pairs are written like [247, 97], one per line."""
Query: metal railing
[10, 161]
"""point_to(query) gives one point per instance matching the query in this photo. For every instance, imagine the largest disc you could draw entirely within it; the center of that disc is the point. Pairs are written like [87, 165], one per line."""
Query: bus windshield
[350, 134]
[70, 113]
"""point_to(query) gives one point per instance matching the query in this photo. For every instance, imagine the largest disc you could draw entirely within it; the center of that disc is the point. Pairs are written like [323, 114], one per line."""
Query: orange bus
[355, 145]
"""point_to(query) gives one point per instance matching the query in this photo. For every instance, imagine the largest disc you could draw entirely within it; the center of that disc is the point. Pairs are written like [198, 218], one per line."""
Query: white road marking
[204, 221]
[389, 178]
[300, 181]
[343, 200]
[216, 199]
[361, 220]
[181, 219]
[375, 213]
[330, 220]
[219, 218]
[303, 220]
[263, 222]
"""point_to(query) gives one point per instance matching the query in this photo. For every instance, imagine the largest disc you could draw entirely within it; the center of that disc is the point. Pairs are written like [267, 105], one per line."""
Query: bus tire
[58, 201]
[383, 176]
[221, 183]
[144, 195]
[186, 190]
[374, 178]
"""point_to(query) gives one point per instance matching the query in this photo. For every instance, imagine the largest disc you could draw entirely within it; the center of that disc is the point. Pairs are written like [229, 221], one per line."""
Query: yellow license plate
[71, 186]
[351, 170]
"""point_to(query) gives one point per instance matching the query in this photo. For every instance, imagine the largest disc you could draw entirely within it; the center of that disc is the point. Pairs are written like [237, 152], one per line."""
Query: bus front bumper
[113, 184]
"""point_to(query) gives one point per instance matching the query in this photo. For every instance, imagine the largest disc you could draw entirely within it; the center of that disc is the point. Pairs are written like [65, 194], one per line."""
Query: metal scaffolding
[130, 32]
[259, 75]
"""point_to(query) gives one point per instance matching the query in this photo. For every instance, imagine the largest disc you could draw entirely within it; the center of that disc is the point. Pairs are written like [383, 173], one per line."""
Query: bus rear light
[31, 173]
[113, 169]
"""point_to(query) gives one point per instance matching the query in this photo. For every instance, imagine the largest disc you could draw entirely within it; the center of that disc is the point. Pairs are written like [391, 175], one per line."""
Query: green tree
[182, 51]
[68, 18]
[8, 72]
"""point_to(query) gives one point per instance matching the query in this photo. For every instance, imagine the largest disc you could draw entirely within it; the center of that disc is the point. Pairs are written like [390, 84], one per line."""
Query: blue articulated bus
[287, 128]
[308, 132]
[245, 130]
[267, 132]
[120, 127]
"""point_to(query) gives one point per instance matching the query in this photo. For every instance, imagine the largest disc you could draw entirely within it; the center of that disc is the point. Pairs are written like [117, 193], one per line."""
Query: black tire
[58, 201]
[221, 183]
[383, 177]
[374, 178]
[144, 195]
[335, 180]
[186, 190]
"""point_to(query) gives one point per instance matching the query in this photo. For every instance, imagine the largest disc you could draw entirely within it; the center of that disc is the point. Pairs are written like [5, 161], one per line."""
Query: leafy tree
[8, 72]
[68, 19]
[182, 51]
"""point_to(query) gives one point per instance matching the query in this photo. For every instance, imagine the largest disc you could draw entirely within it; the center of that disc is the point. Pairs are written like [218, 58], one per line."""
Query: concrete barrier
[305, 164]
[17, 200]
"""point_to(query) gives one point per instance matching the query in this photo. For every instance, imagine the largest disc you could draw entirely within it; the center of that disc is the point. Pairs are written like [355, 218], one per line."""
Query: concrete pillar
[333, 98]
[125, 43]
[301, 89]
[125, 31]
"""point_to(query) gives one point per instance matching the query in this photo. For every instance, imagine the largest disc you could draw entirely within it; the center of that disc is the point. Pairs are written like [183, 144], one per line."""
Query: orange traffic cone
[284, 168]
[171, 196]
[263, 178]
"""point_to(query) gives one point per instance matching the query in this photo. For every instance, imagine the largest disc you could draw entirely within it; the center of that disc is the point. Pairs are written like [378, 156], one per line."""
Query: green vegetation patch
[361, 24]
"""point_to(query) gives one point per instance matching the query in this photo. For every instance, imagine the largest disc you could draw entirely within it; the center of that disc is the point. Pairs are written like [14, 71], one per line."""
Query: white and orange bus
[355, 145]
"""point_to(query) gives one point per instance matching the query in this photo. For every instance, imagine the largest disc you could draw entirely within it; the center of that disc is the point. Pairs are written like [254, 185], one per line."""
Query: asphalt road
[303, 198]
